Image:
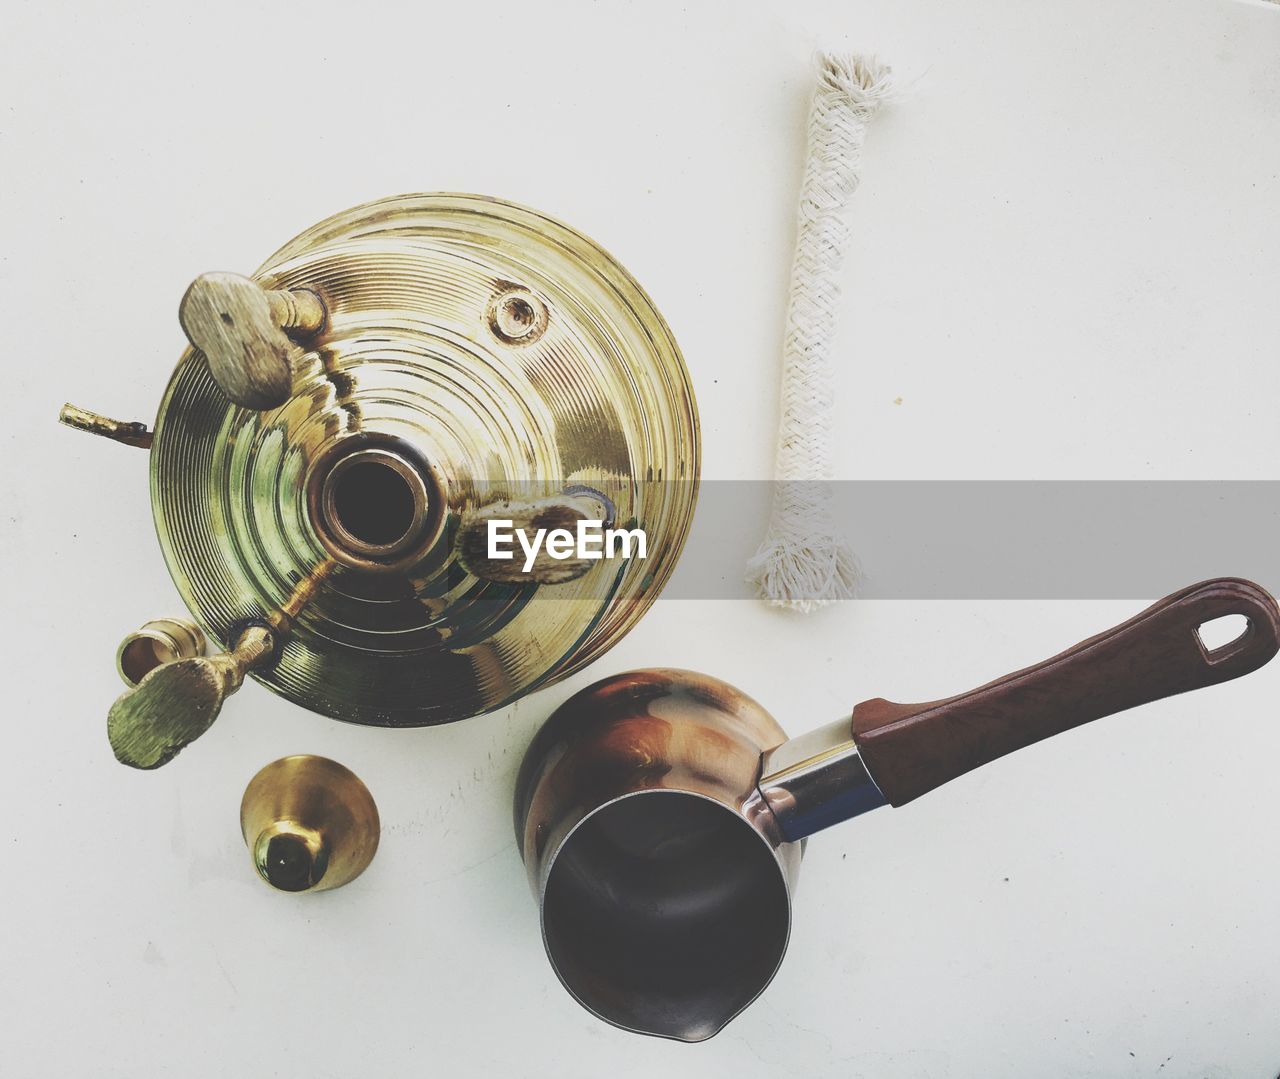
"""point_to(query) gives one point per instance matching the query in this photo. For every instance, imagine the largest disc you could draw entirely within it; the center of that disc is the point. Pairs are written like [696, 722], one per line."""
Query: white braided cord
[804, 563]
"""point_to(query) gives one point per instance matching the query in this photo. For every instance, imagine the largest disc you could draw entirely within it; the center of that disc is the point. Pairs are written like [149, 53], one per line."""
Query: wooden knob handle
[249, 334]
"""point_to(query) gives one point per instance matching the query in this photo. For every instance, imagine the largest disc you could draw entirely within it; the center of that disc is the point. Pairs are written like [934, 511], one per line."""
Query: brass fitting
[159, 641]
[309, 823]
[176, 702]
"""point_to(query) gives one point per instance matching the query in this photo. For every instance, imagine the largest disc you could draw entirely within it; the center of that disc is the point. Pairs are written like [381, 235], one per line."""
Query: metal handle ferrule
[816, 780]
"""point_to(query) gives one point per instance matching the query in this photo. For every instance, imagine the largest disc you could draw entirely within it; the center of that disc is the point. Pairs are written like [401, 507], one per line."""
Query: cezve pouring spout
[660, 813]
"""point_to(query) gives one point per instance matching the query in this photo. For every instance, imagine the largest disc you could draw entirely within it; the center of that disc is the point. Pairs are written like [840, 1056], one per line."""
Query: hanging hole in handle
[1220, 637]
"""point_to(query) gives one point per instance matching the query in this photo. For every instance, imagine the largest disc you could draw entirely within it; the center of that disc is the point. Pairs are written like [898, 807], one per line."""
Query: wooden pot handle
[910, 749]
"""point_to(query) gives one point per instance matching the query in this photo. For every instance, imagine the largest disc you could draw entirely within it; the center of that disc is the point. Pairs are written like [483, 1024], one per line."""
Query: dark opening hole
[666, 913]
[141, 656]
[374, 503]
[288, 863]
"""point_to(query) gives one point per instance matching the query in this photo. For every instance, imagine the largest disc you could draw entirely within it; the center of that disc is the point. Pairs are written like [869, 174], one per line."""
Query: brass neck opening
[375, 506]
[375, 503]
[290, 857]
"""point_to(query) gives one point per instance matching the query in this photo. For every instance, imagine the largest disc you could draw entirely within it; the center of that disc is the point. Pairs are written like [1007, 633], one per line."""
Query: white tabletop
[1064, 266]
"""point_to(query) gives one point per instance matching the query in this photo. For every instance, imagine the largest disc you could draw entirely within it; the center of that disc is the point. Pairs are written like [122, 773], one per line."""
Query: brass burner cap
[444, 354]
[310, 824]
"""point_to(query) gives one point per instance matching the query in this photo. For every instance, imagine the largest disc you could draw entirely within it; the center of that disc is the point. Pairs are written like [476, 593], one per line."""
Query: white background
[1065, 264]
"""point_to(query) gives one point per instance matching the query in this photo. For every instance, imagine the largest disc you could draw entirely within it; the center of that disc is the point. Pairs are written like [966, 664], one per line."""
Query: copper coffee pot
[661, 814]
[332, 444]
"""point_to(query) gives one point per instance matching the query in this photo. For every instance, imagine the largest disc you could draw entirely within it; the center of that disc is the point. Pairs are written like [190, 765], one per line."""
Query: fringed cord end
[804, 574]
[864, 81]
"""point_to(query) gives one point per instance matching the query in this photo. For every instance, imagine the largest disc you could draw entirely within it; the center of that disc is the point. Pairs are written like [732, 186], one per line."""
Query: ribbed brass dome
[484, 352]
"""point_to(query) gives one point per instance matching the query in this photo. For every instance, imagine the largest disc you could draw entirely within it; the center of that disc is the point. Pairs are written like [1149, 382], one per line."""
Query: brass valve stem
[177, 702]
[299, 310]
[130, 433]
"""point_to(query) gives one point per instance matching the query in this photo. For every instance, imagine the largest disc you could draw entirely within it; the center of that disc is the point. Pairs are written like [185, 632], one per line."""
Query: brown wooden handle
[910, 749]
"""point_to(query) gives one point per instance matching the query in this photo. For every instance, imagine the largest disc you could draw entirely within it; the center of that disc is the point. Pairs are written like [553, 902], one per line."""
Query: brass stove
[329, 449]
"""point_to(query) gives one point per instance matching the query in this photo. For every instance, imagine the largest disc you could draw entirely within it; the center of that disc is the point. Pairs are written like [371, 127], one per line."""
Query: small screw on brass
[517, 316]
[309, 823]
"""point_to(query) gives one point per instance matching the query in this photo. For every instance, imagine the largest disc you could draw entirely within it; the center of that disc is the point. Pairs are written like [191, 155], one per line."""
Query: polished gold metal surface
[160, 641]
[472, 352]
[309, 823]
[176, 702]
[131, 433]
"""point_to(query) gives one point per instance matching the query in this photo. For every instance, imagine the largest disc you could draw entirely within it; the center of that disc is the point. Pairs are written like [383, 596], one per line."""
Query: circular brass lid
[477, 351]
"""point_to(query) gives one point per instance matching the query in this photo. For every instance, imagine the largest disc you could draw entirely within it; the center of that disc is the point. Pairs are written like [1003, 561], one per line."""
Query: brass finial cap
[309, 823]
